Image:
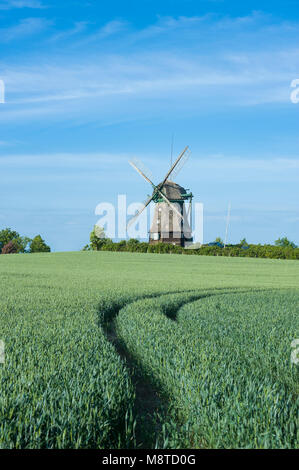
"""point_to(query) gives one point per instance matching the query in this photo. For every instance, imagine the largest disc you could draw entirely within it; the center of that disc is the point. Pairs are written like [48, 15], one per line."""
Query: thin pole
[227, 223]
[171, 150]
[191, 219]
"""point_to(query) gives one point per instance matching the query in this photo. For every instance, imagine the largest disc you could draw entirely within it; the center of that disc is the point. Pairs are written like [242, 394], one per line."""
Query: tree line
[282, 248]
[12, 242]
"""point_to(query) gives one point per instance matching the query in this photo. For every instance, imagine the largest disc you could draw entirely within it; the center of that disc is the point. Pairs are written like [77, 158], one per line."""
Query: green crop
[223, 361]
[212, 334]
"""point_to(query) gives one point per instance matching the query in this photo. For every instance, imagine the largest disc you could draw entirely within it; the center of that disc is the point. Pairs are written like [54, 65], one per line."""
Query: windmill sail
[174, 165]
[180, 164]
[147, 178]
[141, 168]
[135, 216]
[170, 222]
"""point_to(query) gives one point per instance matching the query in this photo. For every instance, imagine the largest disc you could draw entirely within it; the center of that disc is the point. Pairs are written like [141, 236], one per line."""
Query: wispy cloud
[78, 28]
[270, 165]
[66, 160]
[251, 81]
[168, 24]
[112, 27]
[109, 29]
[235, 169]
[11, 4]
[178, 69]
[26, 27]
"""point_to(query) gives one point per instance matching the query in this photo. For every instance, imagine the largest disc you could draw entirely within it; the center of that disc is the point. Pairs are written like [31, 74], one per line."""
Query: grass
[223, 361]
[212, 335]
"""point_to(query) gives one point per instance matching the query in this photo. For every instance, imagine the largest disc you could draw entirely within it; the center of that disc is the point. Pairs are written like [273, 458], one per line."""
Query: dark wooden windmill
[172, 220]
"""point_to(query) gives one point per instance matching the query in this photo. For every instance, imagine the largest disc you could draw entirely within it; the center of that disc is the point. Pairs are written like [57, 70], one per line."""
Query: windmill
[171, 222]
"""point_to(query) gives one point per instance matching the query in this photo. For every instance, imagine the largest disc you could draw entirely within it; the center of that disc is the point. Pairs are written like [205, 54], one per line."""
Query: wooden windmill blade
[133, 164]
[170, 204]
[174, 165]
[135, 216]
[181, 163]
[147, 202]
[139, 166]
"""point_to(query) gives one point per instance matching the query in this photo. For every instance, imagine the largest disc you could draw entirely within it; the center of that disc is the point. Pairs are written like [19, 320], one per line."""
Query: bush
[242, 249]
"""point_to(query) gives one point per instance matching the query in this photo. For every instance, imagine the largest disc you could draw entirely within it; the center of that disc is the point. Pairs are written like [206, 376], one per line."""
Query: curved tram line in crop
[151, 409]
[209, 368]
[203, 368]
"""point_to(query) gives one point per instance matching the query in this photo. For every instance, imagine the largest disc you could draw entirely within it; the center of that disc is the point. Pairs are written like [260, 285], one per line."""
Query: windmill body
[172, 219]
[168, 226]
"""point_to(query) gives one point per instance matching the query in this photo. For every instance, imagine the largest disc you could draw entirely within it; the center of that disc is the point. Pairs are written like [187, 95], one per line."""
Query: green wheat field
[123, 350]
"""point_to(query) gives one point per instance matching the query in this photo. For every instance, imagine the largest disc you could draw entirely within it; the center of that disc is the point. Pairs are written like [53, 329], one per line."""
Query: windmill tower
[172, 220]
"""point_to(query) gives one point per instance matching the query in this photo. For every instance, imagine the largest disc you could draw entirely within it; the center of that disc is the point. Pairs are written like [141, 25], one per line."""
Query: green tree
[38, 245]
[22, 244]
[133, 244]
[285, 243]
[219, 240]
[8, 235]
[98, 238]
[243, 243]
[86, 248]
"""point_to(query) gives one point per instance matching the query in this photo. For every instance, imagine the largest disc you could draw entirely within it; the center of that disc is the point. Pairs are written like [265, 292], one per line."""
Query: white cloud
[228, 170]
[112, 27]
[65, 160]
[11, 4]
[105, 32]
[167, 25]
[26, 27]
[82, 80]
[273, 165]
[265, 166]
[147, 72]
[79, 27]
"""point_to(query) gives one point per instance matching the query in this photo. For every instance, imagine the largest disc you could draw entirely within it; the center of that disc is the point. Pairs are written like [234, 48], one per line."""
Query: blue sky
[90, 84]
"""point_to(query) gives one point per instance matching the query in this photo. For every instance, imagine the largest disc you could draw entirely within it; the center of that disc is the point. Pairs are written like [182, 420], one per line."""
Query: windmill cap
[173, 190]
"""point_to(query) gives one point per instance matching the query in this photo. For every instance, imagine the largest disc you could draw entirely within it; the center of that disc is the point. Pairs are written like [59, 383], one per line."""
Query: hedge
[250, 251]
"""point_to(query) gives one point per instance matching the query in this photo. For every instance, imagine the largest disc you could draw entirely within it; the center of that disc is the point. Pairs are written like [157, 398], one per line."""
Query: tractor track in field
[151, 407]
[148, 402]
